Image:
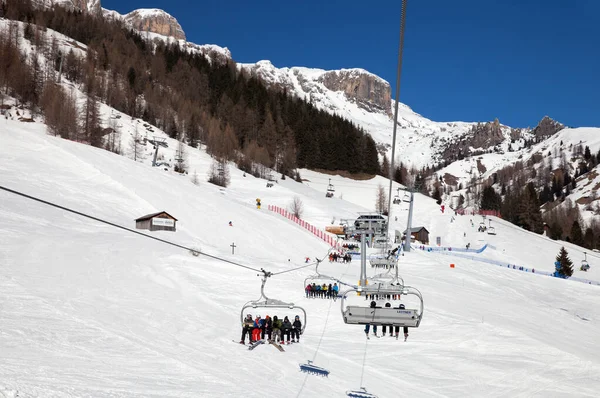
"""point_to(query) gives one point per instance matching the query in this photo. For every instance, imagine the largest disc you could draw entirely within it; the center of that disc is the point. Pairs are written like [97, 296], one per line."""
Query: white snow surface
[90, 310]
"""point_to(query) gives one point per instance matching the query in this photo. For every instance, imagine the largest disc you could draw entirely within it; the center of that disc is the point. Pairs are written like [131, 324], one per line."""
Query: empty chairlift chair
[313, 369]
[362, 393]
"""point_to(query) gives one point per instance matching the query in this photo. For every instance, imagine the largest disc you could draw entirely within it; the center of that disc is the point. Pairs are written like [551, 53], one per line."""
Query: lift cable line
[398, 75]
[140, 233]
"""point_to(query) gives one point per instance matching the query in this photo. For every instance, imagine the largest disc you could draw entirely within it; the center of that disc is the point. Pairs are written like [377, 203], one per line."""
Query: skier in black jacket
[286, 327]
[296, 328]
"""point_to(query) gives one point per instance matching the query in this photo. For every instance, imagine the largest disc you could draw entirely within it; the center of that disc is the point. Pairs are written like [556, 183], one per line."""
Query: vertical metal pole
[398, 74]
[409, 224]
[363, 259]
[155, 154]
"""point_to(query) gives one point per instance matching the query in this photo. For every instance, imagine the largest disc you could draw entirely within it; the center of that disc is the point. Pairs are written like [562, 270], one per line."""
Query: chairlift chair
[381, 260]
[491, 231]
[362, 393]
[320, 279]
[265, 302]
[330, 190]
[313, 369]
[270, 181]
[363, 315]
[397, 199]
[584, 264]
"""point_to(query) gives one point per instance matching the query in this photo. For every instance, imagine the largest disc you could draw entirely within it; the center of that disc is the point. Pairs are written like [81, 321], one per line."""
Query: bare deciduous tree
[219, 173]
[136, 146]
[381, 200]
[297, 207]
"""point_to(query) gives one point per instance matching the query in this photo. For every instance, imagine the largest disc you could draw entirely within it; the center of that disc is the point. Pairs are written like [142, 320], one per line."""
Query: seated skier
[247, 328]
[296, 329]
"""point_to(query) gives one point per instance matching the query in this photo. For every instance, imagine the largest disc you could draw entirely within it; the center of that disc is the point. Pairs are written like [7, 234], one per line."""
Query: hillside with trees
[179, 91]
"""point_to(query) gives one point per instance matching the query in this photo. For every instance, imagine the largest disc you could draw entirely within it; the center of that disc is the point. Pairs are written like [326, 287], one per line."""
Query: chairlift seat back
[381, 316]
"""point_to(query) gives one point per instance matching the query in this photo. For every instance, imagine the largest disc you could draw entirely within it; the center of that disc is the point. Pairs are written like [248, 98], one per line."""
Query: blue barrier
[514, 266]
[448, 249]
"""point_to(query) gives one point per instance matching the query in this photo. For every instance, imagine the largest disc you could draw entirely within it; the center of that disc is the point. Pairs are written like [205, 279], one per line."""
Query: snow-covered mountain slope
[419, 140]
[91, 310]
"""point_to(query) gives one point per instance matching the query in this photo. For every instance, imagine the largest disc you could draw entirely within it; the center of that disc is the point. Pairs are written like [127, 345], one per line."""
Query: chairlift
[265, 302]
[330, 190]
[313, 369]
[270, 181]
[397, 199]
[383, 261]
[491, 231]
[584, 264]
[362, 393]
[482, 227]
[320, 279]
[363, 315]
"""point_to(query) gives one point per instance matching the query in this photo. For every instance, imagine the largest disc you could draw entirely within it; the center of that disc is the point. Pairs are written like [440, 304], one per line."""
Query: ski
[278, 346]
[255, 344]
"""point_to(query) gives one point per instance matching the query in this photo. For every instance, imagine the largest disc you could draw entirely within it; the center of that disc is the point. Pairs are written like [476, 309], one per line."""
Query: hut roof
[149, 216]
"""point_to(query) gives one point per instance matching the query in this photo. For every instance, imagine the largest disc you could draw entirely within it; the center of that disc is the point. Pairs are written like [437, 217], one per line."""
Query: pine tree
[576, 234]
[564, 265]
[587, 154]
[490, 200]
[385, 167]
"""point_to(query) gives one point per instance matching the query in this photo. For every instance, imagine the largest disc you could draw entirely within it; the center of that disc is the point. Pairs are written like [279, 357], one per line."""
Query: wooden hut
[161, 221]
[419, 233]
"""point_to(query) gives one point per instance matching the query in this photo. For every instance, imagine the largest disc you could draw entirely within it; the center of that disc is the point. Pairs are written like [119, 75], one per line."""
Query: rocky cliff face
[87, 6]
[155, 21]
[481, 138]
[369, 91]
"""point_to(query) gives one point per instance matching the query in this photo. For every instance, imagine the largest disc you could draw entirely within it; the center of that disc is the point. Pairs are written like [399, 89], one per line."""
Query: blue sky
[468, 60]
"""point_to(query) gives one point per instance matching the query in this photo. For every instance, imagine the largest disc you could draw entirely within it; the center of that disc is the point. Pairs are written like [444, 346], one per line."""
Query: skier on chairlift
[368, 325]
[247, 328]
[296, 328]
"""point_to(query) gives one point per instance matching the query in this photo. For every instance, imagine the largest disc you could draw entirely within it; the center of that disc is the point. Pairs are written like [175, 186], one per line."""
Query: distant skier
[257, 203]
[230, 224]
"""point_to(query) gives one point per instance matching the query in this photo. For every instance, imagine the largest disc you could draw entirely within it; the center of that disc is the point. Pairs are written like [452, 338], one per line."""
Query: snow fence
[325, 236]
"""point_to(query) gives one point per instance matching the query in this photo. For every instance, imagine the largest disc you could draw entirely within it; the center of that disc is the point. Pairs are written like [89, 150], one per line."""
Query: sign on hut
[161, 221]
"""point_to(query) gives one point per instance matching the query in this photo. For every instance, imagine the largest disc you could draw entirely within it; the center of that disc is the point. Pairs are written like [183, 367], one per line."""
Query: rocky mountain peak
[155, 21]
[547, 127]
[369, 91]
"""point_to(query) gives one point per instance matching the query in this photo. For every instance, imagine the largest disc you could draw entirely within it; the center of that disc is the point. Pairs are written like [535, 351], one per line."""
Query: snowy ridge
[149, 13]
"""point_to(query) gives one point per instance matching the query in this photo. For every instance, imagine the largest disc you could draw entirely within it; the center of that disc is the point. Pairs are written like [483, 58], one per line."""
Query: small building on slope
[161, 221]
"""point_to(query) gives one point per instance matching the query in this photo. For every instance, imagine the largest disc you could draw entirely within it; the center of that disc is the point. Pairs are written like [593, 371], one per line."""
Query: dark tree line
[184, 94]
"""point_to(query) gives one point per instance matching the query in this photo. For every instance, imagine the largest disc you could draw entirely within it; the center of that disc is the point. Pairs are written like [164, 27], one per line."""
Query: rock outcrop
[369, 91]
[87, 6]
[547, 127]
[155, 21]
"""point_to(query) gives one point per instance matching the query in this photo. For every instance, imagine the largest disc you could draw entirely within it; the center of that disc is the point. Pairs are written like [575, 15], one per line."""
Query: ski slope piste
[88, 309]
